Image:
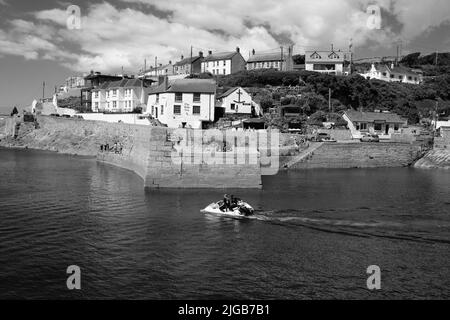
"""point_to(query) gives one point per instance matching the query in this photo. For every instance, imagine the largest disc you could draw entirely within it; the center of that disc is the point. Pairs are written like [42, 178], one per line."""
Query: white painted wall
[217, 67]
[164, 109]
[130, 118]
[244, 107]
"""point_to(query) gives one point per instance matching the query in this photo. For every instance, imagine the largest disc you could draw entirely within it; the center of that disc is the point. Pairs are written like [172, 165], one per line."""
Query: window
[224, 71]
[178, 97]
[176, 109]
[392, 76]
[114, 104]
[196, 110]
[410, 78]
[400, 77]
[157, 97]
[384, 74]
[361, 126]
[153, 109]
[233, 106]
[162, 110]
[377, 127]
[196, 97]
[224, 63]
[396, 127]
[96, 105]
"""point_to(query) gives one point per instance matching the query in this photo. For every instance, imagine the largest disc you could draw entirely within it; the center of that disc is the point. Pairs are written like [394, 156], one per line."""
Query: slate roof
[187, 86]
[228, 92]
[220, 56]
[266, 57]
[124, 83]
[358, 116]
[185, 61]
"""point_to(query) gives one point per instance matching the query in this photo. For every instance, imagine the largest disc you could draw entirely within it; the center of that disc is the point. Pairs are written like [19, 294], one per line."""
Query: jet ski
[242, 210]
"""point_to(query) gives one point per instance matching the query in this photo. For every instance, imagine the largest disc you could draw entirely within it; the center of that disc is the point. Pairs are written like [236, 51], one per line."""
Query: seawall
[360, 155]
[147, 151]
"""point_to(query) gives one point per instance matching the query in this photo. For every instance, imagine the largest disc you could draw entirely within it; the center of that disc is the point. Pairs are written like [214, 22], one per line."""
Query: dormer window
[315, 55]
[333, 55]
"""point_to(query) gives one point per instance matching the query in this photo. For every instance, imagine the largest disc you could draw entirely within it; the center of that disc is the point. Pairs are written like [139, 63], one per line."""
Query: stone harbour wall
[360, 155]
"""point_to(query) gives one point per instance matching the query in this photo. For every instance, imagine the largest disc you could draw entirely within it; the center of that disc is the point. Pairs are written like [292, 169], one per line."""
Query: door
[156, 112]
[387, 129]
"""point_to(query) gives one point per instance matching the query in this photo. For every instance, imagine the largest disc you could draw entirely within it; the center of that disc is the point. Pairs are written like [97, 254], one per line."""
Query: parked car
[369, 137]
[321, 137]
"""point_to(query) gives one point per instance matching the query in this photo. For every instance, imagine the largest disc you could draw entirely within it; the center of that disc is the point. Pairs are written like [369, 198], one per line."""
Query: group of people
[229, 203]
[116, 148]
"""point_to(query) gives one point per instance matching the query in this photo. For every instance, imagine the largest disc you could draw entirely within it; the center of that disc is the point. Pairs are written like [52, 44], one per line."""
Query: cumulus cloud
[113, 36]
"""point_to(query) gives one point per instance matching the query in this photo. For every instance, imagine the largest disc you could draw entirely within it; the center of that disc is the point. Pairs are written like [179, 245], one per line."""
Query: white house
[183, 103]
[238, 101]
[160, 70]
[330, 62]
[223, 63]
[119, 96]
[381, 123]
[393, 74]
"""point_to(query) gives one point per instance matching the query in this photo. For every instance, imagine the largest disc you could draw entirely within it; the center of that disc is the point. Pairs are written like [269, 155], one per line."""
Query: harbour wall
[439, 157]
[360, 155]
[147, 151]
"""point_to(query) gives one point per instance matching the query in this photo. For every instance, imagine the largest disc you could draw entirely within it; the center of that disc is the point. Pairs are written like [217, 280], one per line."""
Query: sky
[38, 44]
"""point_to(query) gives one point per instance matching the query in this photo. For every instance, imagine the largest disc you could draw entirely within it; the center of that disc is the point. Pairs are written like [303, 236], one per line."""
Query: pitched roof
[228, 92]
[358, 116]
[124, 83]
[187, 61]
[325, 56]
[187, 86]
[220, 56]
[266, 57]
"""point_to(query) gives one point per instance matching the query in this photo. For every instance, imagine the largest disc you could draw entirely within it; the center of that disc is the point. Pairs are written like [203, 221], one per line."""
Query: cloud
[115, 36]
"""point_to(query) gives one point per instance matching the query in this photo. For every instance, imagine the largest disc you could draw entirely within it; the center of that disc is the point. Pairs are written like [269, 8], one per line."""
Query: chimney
[170, 61]
[392, 65]
[166, 82]
[182, 57]
[238, 50]
[253, 52]
[210, 52]
[160, 64]
[200, 54]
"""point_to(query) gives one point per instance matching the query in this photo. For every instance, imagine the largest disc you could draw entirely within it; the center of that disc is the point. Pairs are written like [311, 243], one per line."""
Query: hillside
[411, 101]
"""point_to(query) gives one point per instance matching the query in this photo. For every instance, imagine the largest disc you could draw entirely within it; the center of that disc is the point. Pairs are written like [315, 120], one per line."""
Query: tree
[14, 111]
[266, 103]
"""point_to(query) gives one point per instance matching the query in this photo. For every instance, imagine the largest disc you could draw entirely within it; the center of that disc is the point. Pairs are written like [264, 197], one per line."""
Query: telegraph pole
[329, 99]
[190, 63]
[436, 60]
[43, 91]
[282, 58]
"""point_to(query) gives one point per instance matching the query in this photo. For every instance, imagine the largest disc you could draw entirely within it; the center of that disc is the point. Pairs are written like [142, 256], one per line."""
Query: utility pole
[329, 99]
[190, 63]
[437, 54]
[43, 91]
[156, 66]
[282, 59]
[350, 48]
[436, 116]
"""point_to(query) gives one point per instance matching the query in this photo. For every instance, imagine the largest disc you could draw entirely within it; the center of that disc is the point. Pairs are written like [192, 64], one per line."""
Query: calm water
[315, 234]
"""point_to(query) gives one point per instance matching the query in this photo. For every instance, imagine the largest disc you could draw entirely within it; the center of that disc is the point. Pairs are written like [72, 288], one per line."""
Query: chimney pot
[210, 52]
[253, 52]
[237, 49]
[200, 53]
[170, 61]
[182, 57]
